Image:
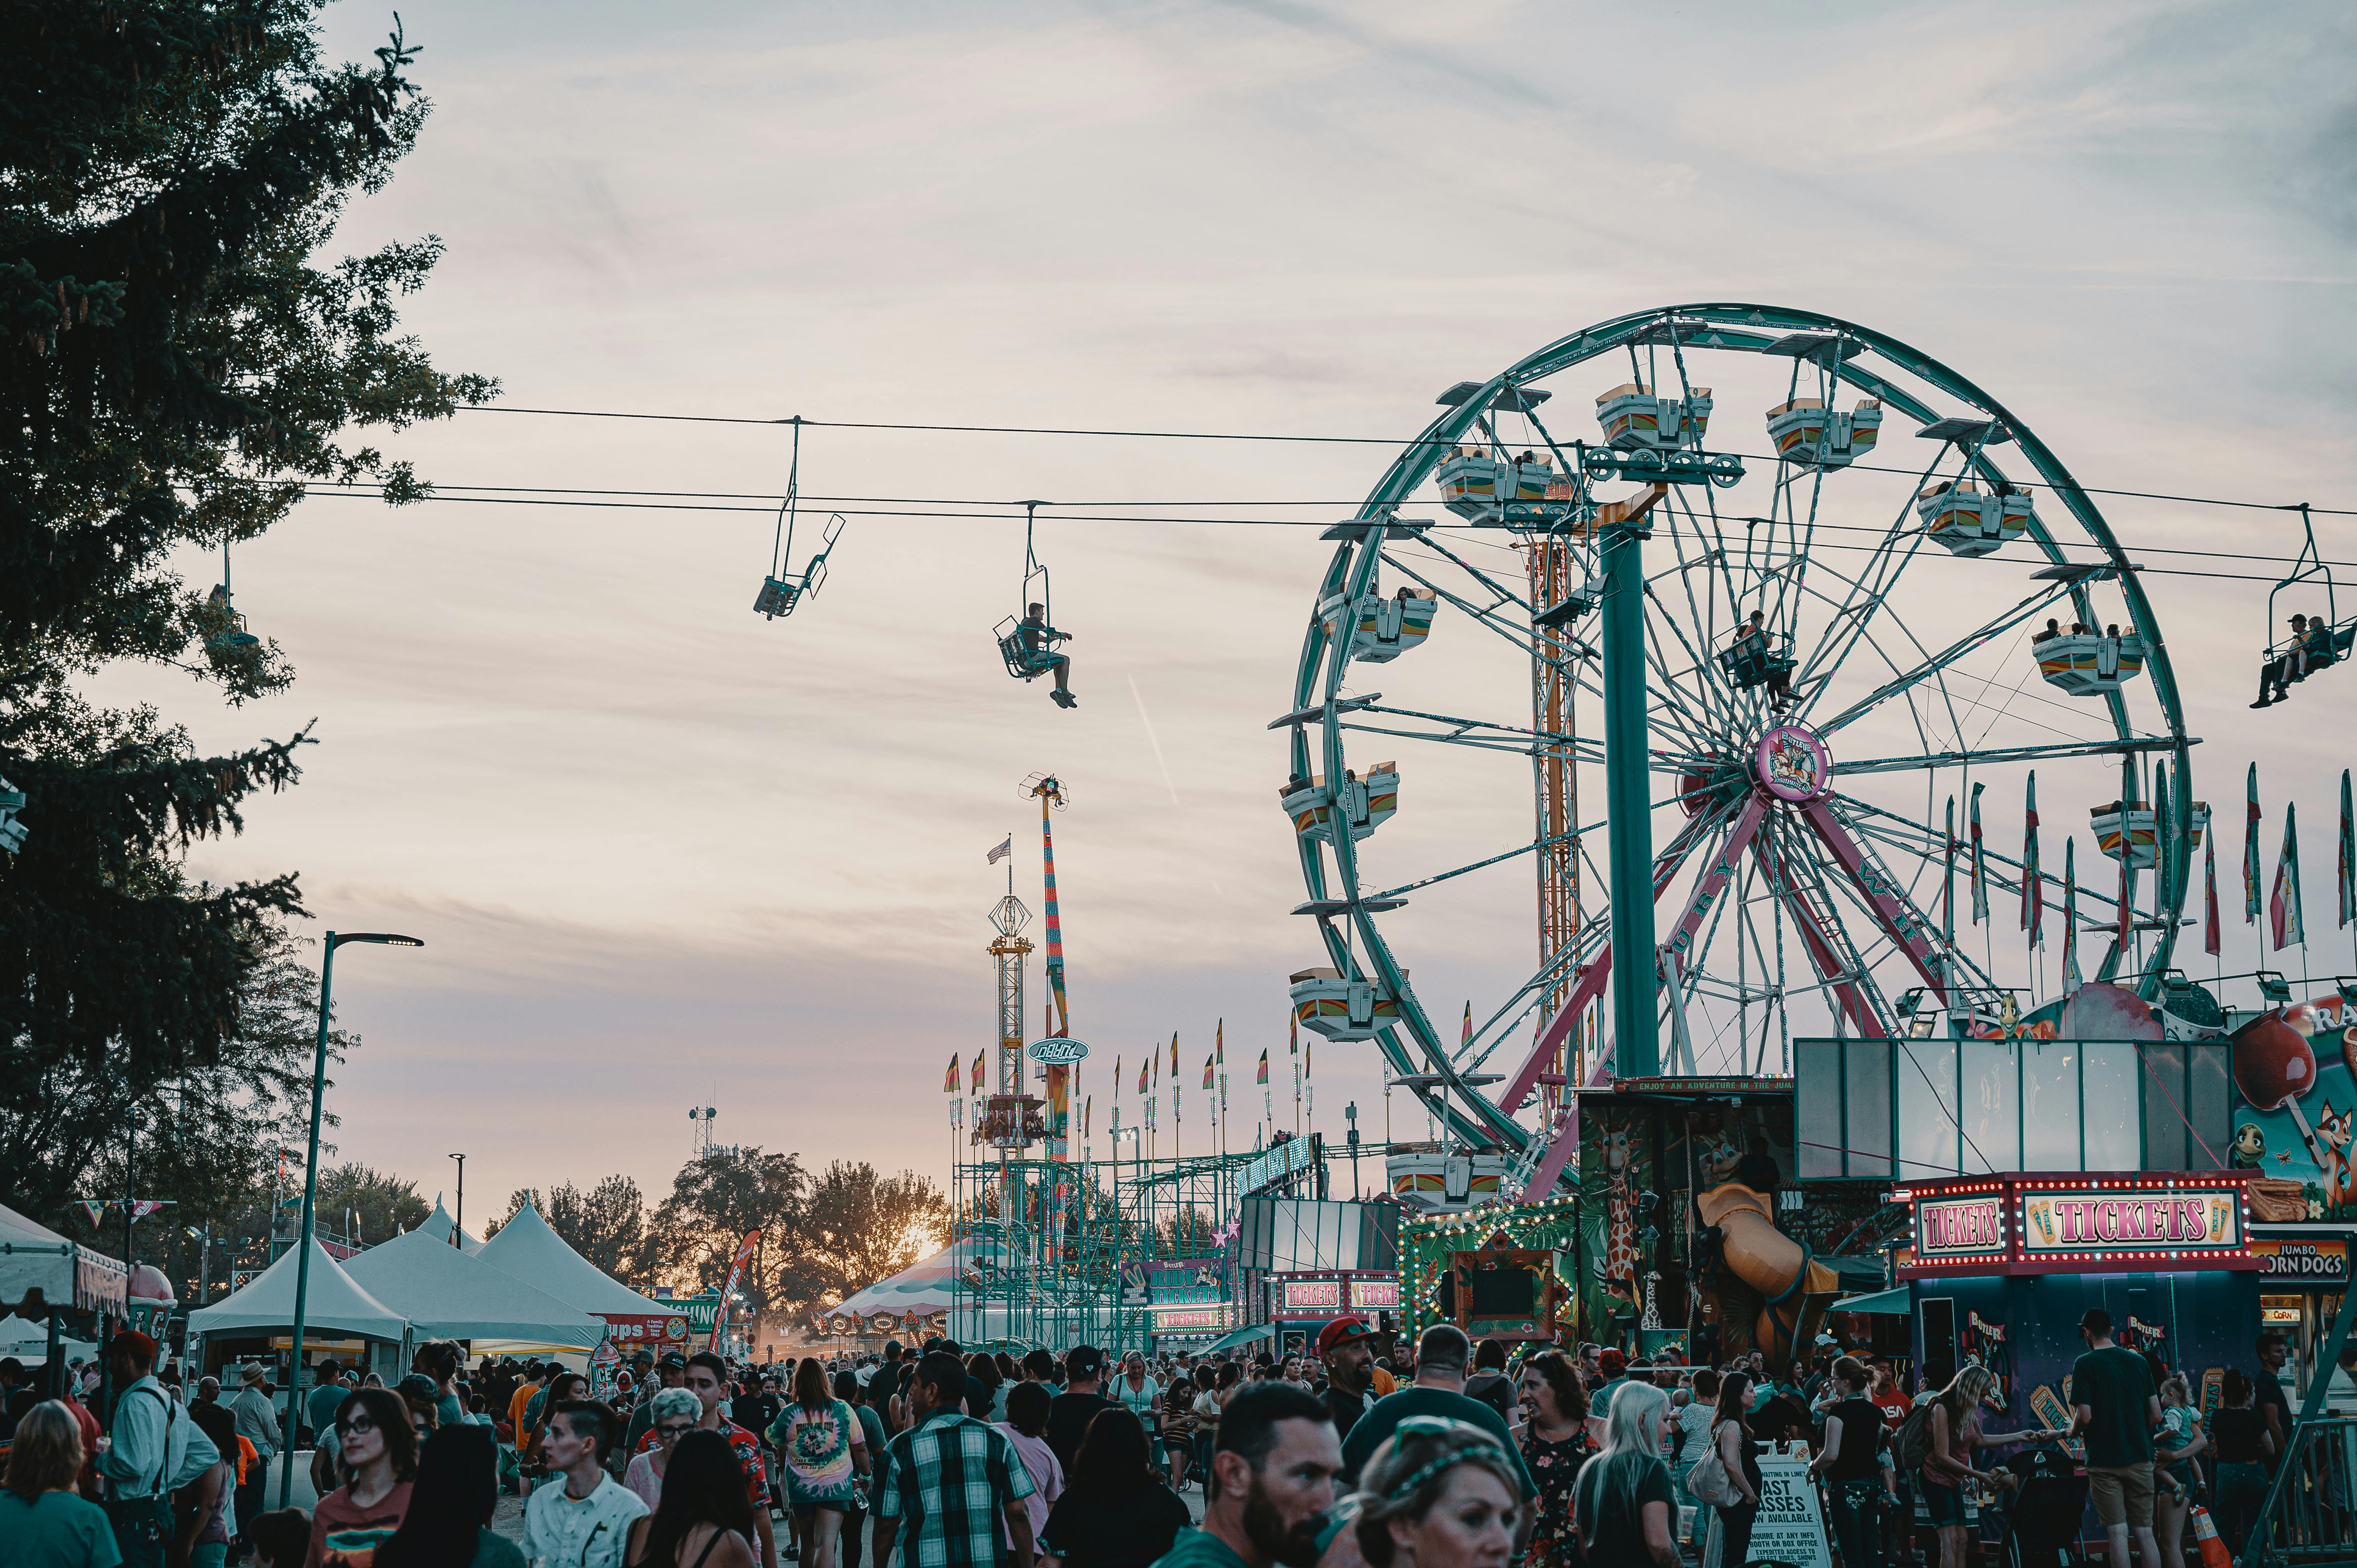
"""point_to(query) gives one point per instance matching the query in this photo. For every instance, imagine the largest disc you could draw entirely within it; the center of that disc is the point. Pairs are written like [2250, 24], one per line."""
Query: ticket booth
[2303, 1277]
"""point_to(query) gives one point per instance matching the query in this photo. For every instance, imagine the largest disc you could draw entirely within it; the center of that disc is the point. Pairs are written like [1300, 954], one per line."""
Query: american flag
[1006, 848]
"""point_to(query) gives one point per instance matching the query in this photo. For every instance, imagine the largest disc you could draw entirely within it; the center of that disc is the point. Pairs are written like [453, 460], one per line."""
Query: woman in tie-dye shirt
[822, 1451]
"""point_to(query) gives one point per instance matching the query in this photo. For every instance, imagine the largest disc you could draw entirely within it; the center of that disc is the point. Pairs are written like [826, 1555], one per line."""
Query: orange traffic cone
[2205, 1536]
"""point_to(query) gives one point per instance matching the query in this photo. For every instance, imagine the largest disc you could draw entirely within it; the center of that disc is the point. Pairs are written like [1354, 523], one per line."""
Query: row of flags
[1150, 1074]
[2286, 907]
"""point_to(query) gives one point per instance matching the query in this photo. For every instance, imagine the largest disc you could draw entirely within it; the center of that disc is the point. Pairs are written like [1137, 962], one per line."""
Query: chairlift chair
[1752, 661]
[225, 630]
[1024, 661]
[2324, 641]
[784, 588]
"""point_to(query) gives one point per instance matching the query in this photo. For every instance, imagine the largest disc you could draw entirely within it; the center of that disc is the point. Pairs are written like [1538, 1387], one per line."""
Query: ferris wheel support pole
[1628, 784]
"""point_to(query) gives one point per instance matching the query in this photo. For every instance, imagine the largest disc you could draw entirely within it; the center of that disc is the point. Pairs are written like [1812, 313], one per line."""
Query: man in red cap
[154, 1448]
[1344, 1345]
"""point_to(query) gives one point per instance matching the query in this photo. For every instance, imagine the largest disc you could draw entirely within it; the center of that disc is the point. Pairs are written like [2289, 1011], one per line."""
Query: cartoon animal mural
[1619, 1261]
[2295, 1107]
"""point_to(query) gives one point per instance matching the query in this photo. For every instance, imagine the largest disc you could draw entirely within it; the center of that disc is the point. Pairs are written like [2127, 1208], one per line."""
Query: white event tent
[66, 1273]
[335, 1307]
[447, 1294]
[439, 1225]
[526, 1248]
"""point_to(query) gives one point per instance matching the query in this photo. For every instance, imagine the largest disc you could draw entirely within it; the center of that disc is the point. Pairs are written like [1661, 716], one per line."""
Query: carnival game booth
[447, 1293]
[527, 1249]
[58, 1287]
[340, 1319]
[1302, 1303]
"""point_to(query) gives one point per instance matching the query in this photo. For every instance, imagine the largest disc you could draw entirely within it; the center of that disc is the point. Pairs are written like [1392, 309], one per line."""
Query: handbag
[1709, 1482]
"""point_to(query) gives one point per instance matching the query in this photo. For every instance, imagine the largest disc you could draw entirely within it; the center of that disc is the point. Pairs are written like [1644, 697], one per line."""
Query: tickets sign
[2172, 1221]
[1959, 1225]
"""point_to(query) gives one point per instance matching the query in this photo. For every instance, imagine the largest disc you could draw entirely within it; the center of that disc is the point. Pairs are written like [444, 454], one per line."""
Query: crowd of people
[1442, 1455]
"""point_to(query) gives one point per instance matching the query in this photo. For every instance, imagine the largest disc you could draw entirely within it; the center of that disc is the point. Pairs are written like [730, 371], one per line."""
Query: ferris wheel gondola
[1827, 648]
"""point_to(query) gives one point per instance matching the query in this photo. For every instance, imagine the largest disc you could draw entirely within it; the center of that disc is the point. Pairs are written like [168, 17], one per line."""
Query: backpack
[1707, 1478]
[1912, 1443]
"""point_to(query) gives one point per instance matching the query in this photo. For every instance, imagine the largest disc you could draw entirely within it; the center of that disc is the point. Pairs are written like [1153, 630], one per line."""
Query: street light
[459, 1225]
[311, 1182]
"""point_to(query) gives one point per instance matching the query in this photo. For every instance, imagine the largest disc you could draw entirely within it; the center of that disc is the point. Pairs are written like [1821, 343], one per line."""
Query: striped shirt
[951, 1480]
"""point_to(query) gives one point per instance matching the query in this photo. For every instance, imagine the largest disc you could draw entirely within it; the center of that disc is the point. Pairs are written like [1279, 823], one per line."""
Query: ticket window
[2306, 1316]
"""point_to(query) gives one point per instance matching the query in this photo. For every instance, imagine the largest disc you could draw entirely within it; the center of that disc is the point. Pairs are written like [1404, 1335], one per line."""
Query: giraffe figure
[1619, 1261]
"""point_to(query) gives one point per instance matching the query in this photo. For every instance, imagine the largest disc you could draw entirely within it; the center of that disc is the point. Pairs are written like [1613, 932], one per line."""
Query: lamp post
[458, 1224]
[311, 1182]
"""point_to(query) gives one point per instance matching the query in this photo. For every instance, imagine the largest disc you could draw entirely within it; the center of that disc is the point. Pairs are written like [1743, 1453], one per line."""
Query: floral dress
[1555, 1466]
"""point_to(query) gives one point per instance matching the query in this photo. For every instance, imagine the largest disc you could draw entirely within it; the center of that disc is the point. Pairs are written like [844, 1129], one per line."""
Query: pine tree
[176, 368]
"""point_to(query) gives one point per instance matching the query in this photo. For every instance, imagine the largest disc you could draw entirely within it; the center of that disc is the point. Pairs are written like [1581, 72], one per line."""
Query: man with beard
[1344, 1346]
[1270, 1486]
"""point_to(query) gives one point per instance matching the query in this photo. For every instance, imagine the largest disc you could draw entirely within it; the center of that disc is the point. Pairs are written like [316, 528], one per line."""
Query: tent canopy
[446, 1295]
[527, 1249]
[33, 1256]
[923, 1286]
[1252, 1333]
[439, 1225]
[1889, 1302]
[335, 1303]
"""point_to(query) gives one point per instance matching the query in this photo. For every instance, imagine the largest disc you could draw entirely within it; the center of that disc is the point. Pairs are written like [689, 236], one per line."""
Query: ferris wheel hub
[1791, 764]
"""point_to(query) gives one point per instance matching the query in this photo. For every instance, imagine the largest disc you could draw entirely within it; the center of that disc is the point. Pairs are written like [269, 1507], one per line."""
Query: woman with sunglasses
[378, 1457]
[674, 1414]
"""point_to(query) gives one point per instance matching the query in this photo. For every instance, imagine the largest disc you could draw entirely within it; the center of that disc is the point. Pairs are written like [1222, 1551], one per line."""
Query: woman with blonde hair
[40, 1514]
[1439, 1493]
[1955, 1431]
[1622, 1504]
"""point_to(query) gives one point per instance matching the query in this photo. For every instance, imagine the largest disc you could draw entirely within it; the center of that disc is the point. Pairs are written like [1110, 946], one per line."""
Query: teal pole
[311, 1179]
[1628, 786]
[302, 1237]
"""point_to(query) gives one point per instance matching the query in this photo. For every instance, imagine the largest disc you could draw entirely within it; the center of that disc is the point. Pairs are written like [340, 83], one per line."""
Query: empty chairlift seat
[2084, 664]
[1381, 627]
[1805, 431]
[1342, 1009]
[1967, 521]
[1636, 421]
[1365, 803]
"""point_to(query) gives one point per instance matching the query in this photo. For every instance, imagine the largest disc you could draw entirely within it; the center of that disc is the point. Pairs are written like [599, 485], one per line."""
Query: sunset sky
[664, 853]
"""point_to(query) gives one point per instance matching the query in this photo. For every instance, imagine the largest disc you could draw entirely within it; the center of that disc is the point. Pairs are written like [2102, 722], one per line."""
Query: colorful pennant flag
[977, 1072]
[2033, 881]
[2291, 928]
[2251, 847]
[1220, 1043]
[1211, 1069]
[1465, 1030]
[950, 1079]
[1174, 1055]
[96, 1212]
[1088, 1113]
[1142, 1067]
[1948, 878]
[2344, 877]
[1980, 865]
[2212, 939]
[1263, 1064]
[2072, 980]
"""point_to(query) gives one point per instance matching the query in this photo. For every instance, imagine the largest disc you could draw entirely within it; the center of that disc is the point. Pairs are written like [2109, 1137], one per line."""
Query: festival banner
[1980, 863]
[2251, 846]
[2033, 882]
[2290, 925]
[728, 1286]
[2071, 979]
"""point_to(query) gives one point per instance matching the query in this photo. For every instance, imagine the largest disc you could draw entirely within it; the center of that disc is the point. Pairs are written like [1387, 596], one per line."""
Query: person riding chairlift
[2292, 664]
[1039, 637]
[1751, 643]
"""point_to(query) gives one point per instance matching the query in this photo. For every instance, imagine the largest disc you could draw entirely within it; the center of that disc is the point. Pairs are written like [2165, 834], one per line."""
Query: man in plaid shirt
[954, 1479]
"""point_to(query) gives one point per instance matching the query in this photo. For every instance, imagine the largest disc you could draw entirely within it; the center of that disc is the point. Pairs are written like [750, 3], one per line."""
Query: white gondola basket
[1388, 626]
[2128, 833]
[1365, 803]
[1805, 431]
[1340, 1008]
[2085, 665]
[1634, 420]
[1966, 520]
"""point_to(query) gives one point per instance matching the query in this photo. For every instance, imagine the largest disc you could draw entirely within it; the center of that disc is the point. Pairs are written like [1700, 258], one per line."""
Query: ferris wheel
[1848, 591]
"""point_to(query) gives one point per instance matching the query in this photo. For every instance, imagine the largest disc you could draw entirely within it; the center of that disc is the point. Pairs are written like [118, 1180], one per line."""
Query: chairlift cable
[1241, 436]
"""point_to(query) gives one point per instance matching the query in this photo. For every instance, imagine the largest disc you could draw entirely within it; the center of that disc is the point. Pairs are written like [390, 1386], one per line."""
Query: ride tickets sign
[2044, 1222]
[2063, 1222]
[1957, 1226]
